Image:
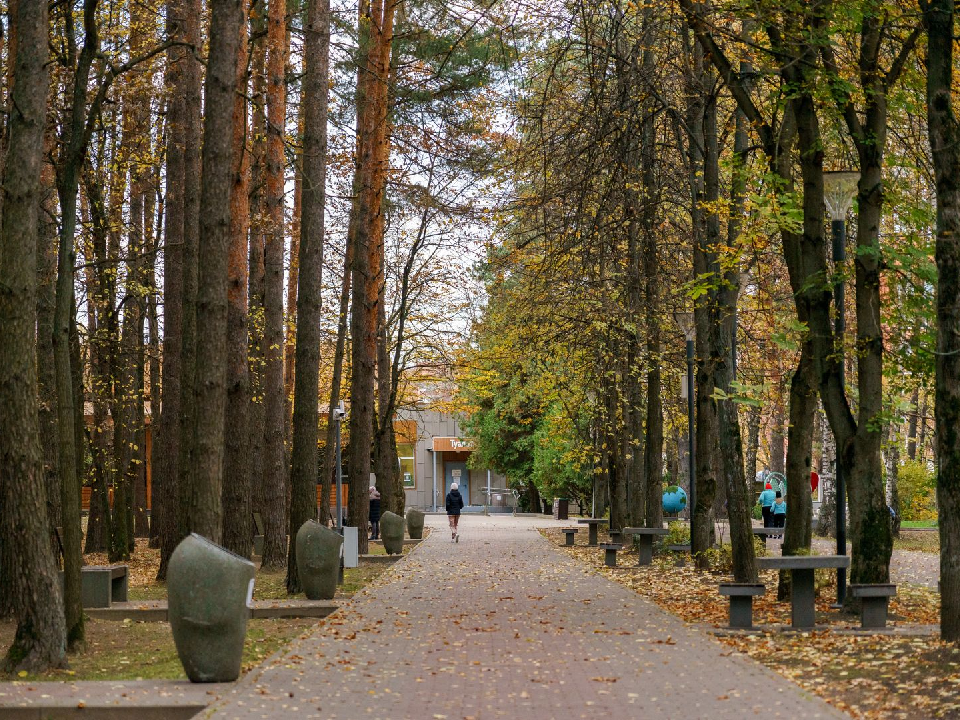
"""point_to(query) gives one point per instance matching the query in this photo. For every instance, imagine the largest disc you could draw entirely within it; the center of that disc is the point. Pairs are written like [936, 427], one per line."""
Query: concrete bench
[645, 538]
[101, 585]
[874, 603]
[741, 602]
[570, 534]
[610, 553]
[592, 523]
[680, 551]
[765, 533]
[803, 592]
[616, 536]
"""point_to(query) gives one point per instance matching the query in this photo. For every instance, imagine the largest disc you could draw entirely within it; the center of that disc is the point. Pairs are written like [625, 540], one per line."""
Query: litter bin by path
[561, 509]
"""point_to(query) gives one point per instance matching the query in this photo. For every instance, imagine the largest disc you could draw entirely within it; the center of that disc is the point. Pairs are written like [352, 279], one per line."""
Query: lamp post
[685, 322]
[839, 190]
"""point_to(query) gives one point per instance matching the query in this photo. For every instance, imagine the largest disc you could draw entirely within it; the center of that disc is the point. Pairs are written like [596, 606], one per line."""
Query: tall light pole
[839, 190]
[685, 322]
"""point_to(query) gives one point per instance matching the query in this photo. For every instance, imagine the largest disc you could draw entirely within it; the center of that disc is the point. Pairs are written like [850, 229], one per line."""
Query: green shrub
[679, 534]
[756, 513]
[720, 558]
[918, 491]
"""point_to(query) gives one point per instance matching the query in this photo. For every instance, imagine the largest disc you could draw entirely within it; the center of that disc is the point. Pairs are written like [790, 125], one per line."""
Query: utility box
[351, 547]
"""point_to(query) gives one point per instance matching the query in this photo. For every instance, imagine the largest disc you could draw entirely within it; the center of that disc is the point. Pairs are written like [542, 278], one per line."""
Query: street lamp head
[839, 190]
[685, 322]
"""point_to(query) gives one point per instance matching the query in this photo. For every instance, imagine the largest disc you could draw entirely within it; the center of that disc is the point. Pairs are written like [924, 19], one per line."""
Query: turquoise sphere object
[674, 499]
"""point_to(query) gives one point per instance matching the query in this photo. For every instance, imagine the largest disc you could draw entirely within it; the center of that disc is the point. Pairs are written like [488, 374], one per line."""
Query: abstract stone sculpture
[209, 590]
[415, 524]
[391, 530]
[318, 560]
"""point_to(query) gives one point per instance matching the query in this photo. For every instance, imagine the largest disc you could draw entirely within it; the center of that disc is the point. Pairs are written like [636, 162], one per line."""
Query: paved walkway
[504, 625]
[906, 566]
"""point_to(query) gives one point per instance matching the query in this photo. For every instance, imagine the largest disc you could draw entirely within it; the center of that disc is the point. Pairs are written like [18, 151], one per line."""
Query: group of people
[773, 507]
[454, 506]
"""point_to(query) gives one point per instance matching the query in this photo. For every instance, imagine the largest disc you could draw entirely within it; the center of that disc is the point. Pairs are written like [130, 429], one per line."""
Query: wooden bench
[610, 553]
[645, 538]
[593, 523]
[101, 585]
[874, 601]
[741, 602]
[570, 533]
[803, 592]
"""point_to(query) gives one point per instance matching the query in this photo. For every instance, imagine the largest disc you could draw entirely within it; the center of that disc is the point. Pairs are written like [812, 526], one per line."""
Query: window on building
[407, 464]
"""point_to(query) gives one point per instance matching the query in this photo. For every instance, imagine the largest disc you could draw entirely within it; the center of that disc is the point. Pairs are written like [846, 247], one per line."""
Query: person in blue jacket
[766, 500]
[778, 511]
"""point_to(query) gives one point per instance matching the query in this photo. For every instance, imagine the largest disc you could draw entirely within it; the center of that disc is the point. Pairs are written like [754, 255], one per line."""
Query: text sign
[452, 444]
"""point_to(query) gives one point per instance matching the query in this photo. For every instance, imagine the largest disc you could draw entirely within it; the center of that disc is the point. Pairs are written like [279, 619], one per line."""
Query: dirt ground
[132, 650]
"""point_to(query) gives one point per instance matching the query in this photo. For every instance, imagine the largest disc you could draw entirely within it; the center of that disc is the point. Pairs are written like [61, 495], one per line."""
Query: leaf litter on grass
[867, 676]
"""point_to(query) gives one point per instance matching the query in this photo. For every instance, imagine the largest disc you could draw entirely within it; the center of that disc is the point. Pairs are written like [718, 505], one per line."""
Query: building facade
[434, 452]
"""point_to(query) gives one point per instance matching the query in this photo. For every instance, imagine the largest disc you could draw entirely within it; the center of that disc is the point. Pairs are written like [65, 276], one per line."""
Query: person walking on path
[778, 511]
[374, 513]
[454, 506]
[766, 500]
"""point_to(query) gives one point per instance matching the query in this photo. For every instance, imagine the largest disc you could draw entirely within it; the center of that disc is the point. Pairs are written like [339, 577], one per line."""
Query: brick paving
[501, 624]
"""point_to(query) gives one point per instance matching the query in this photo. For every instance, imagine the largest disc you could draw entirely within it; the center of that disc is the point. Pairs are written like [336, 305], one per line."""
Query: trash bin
[561, 509]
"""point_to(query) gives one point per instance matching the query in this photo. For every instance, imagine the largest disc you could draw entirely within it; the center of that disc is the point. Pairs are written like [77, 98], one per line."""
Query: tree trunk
[803, 408]
[912, 425]
[255, 417]
[827, 517]
[183, 185]
[166, 438]
[367, 217]
[293, 280]
[753, 444]
[777, 436]
[303, 476]
[704, 184]
[328, 473]
[205, 474]
[892, 462]
[938, 17]
[237, 506]
[46, 363]
[72, 158]
[31, 571]
[653, 441]
[384, 443]
[275, 464]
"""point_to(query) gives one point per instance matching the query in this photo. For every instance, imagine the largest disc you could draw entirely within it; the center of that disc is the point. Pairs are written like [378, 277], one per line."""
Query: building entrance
[457, 472]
